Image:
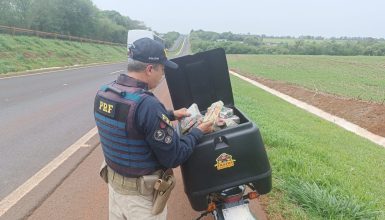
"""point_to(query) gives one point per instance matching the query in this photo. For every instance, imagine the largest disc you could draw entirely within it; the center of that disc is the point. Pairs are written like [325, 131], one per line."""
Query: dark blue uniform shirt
[170, 149]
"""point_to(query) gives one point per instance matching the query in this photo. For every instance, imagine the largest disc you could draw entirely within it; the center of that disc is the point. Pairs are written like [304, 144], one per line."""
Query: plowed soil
[368, 115]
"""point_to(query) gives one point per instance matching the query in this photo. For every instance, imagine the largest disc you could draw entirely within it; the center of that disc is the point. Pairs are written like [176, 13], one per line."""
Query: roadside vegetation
[63, 17]
[305, 45]
[320, 171]
[358, 77]
[170, 38]
[21, 53]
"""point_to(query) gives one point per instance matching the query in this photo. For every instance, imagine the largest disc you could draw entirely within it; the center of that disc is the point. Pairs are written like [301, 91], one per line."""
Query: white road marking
[116, 72]
[32, 182]
[85, 145]
[180, 50]
[320, 113]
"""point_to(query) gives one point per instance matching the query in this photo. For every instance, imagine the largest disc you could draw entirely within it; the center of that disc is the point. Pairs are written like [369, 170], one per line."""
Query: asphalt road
[41, 115]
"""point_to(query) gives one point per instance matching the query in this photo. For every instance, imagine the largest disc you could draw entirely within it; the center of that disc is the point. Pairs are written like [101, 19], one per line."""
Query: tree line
[170, 38]
[305, 45]
[79, 18]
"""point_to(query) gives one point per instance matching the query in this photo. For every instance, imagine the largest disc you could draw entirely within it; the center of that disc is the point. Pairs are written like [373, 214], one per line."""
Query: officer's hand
[206, 127]
[181, 113]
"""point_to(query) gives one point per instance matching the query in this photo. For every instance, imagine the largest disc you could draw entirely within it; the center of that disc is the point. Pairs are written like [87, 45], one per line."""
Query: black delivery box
[225, 158]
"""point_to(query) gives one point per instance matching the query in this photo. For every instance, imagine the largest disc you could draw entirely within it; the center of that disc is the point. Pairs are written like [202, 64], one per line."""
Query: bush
[254, 44]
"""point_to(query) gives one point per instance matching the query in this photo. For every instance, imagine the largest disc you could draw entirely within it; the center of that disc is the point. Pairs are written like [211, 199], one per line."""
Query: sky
[326, 18]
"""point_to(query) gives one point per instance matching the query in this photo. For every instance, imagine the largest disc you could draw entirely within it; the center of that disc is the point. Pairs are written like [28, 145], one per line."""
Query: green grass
[359, 77]
[325, 161]
[21, 53]
[326, 202]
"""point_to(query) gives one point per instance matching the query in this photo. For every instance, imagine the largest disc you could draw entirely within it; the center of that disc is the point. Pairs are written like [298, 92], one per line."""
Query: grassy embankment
[320, 171]
[21, 53]
[360, 77]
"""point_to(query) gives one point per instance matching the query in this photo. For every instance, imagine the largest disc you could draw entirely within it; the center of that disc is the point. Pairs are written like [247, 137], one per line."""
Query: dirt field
[368, 115]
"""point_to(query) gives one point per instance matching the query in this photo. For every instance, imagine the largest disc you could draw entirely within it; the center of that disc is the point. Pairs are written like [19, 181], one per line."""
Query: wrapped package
[219, 124]
[213, 111]
[236, 119]
[230, 123]
[226, 112]
[188, 122]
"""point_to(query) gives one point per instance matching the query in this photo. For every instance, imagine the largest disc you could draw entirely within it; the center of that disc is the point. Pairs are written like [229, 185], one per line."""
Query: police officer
[136, 133]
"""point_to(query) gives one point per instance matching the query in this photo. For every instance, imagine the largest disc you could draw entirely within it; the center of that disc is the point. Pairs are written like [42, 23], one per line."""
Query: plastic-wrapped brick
[213, 111]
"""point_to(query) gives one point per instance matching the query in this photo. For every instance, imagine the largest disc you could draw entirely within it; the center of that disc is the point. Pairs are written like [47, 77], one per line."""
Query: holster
[146, 184]
[163, 187]
[103, 171]
[159, 184]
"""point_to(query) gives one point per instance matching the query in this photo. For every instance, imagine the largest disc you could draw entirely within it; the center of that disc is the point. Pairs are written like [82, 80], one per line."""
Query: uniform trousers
[132, 207]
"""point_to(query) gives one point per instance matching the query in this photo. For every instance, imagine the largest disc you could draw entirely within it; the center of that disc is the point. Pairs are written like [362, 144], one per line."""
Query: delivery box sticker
[224, 161]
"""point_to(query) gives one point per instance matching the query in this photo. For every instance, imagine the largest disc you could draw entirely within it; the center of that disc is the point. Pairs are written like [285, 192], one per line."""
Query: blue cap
[147, 50]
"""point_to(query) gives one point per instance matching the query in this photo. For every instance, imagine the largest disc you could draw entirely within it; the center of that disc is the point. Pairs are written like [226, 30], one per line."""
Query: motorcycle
[231, 204]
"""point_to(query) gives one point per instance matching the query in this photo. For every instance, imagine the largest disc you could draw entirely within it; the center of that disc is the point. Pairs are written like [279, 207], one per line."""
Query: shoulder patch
[159, 135]
[166, 120]
[165, 130]
[168, 140]
[170, 131]
[163, 135]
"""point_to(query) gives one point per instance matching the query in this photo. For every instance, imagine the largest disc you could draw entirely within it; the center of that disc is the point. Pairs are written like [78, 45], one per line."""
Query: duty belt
[121, 184]
[143, 185]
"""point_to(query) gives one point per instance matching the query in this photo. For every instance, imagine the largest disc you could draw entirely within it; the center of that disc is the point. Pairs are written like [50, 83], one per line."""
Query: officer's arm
[170, 114]
[169, 148]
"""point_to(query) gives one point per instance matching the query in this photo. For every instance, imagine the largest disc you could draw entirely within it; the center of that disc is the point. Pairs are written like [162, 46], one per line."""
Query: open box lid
[202, 78]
